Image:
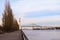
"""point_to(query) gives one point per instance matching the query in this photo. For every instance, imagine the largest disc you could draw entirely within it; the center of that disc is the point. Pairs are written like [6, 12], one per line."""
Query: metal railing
[24, 36]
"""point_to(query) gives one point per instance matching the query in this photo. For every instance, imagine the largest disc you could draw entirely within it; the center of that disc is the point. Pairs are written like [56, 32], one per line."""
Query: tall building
[8, 20]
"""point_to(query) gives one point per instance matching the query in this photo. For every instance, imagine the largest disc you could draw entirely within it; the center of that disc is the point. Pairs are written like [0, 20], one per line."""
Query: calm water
[42, 34]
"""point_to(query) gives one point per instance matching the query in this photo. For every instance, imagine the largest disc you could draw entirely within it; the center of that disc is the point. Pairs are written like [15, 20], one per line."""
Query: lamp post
[22, 37]
[20, 23]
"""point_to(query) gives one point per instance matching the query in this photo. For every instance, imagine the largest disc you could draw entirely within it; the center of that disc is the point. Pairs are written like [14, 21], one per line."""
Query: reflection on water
[42, 34]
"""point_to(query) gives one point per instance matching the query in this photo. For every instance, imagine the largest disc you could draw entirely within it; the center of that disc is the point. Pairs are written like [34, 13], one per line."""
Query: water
[42, 34]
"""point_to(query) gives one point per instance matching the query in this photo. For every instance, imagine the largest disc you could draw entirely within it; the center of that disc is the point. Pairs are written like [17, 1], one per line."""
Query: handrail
[24, 36]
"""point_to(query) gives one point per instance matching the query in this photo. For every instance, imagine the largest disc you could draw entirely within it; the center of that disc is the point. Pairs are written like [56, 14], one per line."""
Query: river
[42, 34]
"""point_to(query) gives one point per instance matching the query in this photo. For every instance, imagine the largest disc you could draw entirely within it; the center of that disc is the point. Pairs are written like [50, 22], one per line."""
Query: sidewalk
[11, 36]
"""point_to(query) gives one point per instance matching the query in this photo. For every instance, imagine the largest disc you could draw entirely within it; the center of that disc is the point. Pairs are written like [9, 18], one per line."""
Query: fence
[24, 36]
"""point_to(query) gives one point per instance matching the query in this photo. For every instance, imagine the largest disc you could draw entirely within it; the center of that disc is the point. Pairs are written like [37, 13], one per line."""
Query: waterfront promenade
[12, 36]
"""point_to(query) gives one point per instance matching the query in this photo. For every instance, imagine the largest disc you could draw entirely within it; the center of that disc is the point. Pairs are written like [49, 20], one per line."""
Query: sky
[41, 12]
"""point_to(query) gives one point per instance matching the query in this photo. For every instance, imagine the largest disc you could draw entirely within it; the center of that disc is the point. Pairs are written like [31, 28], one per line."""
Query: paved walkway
[11, 36]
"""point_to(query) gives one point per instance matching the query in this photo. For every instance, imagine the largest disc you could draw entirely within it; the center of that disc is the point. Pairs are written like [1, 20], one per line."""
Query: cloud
[46, 19]
[36, 5]
[42, 13]
[21, 8]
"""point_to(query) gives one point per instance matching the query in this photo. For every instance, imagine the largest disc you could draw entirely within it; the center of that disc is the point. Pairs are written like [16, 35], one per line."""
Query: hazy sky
[42, 12]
